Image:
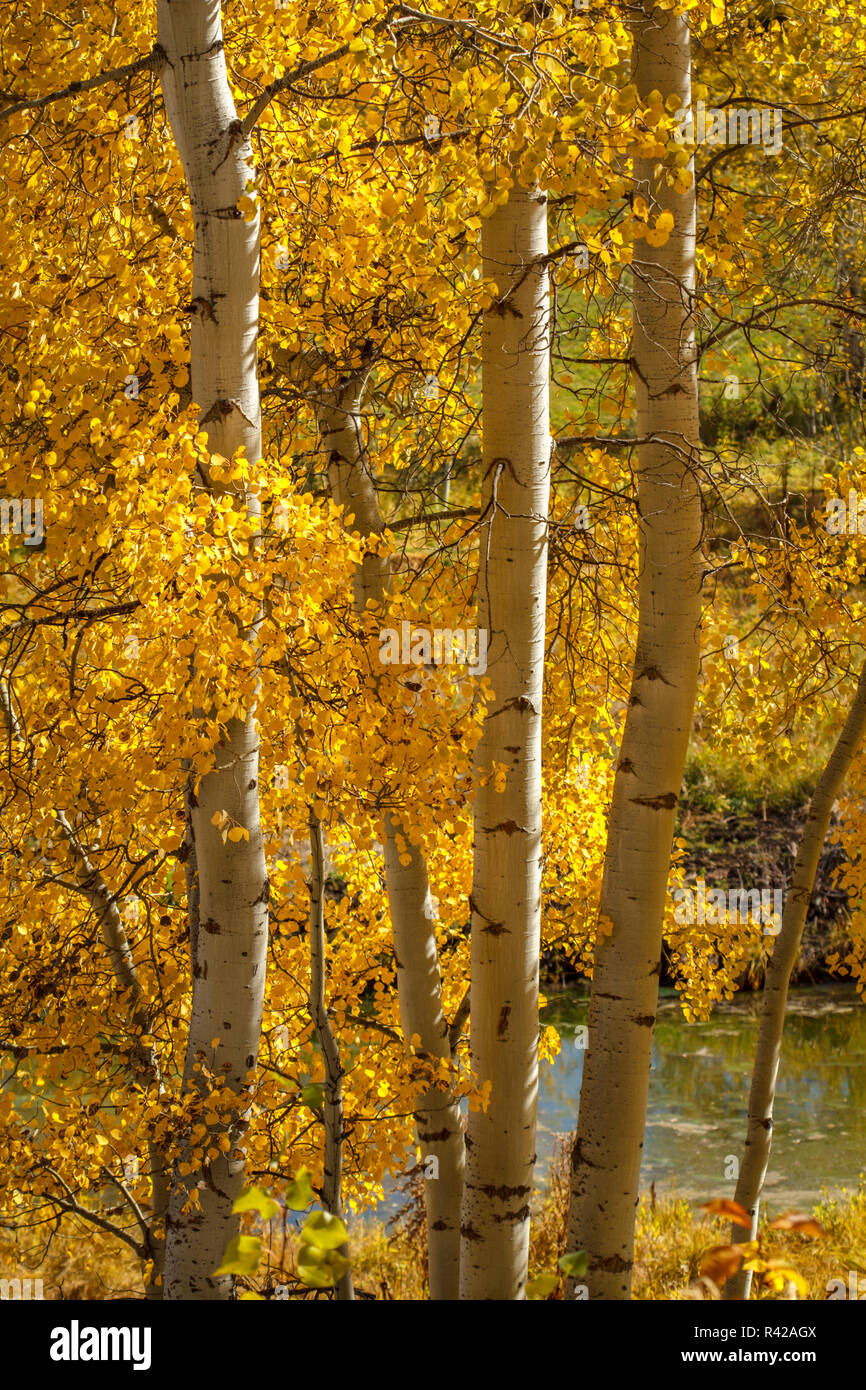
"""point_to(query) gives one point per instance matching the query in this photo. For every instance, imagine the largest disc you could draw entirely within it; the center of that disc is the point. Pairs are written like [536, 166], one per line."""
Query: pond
[698, 1096]
[699, 1088]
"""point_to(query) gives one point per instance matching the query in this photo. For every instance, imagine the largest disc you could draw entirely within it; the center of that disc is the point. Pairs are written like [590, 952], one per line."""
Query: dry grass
[390, 1263]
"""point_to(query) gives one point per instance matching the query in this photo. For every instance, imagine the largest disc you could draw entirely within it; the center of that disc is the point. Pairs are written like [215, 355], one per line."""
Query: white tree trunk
[437, 1113]
[506, 892]
[762, 1096]
[607, 1151]
[144, 1062]
[332, 1107]
[229, 950]
[419, 985]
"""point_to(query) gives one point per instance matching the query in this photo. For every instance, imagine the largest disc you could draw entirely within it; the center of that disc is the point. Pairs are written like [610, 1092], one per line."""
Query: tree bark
[332, 1193]
[607, 1150]
[144, 1062]
[762, 1096]
[506, 891]
[230, 949]
[419, 984]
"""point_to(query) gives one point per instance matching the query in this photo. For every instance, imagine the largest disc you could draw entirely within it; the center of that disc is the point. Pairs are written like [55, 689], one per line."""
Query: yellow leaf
[256, 1199]
[541, 1286]
[242, 1256]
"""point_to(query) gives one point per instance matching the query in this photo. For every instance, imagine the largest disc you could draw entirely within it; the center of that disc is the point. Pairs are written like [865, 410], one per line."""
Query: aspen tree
[229, 950]
[144, 1061]
[607, 1150]
[768, 1053]
[506, 892]
[332, 1101]
[143, 1058]
[419, 985]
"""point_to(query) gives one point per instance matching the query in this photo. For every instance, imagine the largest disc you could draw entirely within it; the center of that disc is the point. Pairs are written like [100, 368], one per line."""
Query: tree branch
[282, 84]
[151, 62]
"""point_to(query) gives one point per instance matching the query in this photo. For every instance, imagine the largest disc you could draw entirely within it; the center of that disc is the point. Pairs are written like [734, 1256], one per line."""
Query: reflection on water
[699, 1093]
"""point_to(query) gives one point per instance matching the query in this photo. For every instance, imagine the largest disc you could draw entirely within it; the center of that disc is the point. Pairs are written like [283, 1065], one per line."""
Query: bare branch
[282, 84]
[151, 62]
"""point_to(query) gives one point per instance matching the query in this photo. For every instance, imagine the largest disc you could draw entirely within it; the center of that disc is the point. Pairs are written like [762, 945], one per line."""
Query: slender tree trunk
[332, 1191]
[506, 891]
[437, 1113]
[230, 948]
[607, 1151]
[419, 985]
[762, 1096]
[143, 1059]
[144, 1062]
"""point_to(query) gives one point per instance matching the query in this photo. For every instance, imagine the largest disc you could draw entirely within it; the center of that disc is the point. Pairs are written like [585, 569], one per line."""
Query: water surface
[699, 1087]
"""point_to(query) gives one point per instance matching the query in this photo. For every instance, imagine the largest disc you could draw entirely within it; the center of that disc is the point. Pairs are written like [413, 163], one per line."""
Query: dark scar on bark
[522, 1214]
[578, 1158]
[614, 1264]
[508, 827]
[667, 802]
[652, 673]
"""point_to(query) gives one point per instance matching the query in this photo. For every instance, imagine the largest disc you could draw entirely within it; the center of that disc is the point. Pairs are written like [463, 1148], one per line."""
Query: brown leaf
[721, 1261]
[796, 1221]
[723, 1206]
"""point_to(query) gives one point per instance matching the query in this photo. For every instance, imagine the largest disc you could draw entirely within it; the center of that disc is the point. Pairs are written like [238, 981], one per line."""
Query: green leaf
[575, 1264]
[542, 1286]
[325, 1231]
[256, 1199]
[242, 1256]
[320, 1269]
[313, 1095]
[299, 1193]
